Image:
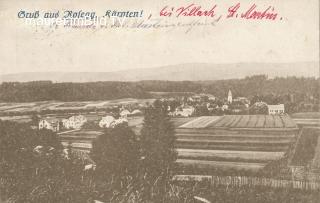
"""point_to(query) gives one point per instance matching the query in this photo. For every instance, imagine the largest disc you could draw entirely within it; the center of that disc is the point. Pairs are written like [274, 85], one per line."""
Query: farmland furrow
[238, 147]
[229, 154]
[220, 164]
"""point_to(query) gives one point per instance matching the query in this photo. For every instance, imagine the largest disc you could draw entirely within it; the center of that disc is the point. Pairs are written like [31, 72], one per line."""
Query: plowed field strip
[278, 122]
[78, 145]
[230, 154]
[288, 122]
[243, 122]
[236, 121]
[260, 121]
[252, 121]
[235, 135]
[220, 164]
[237, 141]
[269, 122]
[232, 120]
[206, 146]
[224, 121]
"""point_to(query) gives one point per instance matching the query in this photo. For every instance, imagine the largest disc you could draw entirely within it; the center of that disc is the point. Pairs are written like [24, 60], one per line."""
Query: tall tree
[115, 152]
[157, 141]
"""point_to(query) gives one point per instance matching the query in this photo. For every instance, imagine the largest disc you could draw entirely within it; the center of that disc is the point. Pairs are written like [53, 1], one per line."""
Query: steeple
[229, 96]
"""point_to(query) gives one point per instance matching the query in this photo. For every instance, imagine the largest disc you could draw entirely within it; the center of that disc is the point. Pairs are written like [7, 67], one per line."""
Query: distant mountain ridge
[192, 72]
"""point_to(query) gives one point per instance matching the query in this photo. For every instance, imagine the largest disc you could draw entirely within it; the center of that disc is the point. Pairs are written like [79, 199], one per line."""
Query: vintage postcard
[146, 101]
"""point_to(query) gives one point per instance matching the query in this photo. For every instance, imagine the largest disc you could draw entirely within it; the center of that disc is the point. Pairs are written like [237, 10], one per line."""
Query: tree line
[258, 85]
[47, 90]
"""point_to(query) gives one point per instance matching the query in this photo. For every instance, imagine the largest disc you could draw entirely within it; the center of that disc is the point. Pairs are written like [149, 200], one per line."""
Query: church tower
[229, 96]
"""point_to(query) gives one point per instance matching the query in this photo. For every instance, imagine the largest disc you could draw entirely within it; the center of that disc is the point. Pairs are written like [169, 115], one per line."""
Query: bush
[115, 153]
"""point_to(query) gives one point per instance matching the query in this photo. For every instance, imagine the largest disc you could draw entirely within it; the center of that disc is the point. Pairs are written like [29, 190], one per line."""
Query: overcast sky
[25, 48]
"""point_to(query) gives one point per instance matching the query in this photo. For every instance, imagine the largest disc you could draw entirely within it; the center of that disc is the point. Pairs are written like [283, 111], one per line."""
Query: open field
[265, 156]
[266, 148]
[307, 151]
[224, 165]
[309, 115]
[236, 141]
[316, 159]
[307, 119]
[234, 136]
[241, 181]
[57, 105]
[180, 121]
[307, 122]
[199, 143]
[79, 139]
[200, 122]
[78, 145]
[240, 121]
[19, 119]
[239, 131]
[170, 94]
[240, 142]
[254, 121]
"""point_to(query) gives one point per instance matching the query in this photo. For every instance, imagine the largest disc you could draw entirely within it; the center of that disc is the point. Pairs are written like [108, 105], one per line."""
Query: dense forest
[47, 90]
[249, 86]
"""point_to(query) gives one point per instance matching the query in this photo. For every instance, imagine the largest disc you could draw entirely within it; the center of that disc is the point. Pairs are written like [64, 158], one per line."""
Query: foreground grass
[189, 191]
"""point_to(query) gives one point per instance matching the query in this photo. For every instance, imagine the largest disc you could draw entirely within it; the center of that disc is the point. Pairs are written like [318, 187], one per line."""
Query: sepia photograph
[172, 101]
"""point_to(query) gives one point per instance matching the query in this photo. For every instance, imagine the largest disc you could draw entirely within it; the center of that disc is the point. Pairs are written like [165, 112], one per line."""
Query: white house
[106, 121]
[243, 100]
[74, 122]
[186, 111]
[50, 124]
[119, 121]
[124, 113]
[111, 122]
[211, 98]
[276, 109]
[225, 107]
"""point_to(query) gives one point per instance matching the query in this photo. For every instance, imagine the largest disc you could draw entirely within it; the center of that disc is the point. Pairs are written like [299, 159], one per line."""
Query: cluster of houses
[182, 111]
[111, 122]
[54, 124]
[74, 122]
[186, 108]
[77, 122]
[50, 124]
[229, 105]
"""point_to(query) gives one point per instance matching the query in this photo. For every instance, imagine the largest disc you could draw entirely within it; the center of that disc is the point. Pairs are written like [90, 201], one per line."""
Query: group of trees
[245, 87]
[122, 167]
[258, 85]
[47, 90]
[33, 167]
[143, 163]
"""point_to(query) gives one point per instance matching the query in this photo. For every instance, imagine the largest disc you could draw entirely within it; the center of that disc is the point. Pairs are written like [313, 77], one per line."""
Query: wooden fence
[238, 181]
